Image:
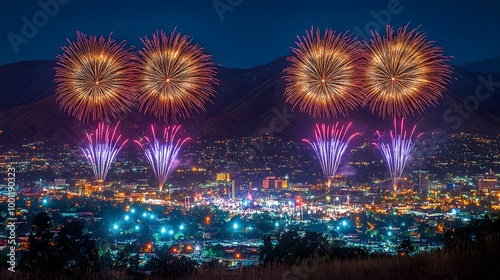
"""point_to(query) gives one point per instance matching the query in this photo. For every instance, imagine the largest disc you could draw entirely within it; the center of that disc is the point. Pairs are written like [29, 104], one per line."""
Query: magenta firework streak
[331, 143]
[103, 147]
[397, 150]
[162, 152]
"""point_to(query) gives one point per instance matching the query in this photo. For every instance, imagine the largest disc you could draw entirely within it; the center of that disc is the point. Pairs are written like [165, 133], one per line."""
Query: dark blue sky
[250, 32]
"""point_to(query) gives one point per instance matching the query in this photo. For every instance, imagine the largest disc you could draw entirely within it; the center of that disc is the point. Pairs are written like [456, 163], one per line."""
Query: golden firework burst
[404, 74]
[175, 76]
[94, 79]
[322, 77]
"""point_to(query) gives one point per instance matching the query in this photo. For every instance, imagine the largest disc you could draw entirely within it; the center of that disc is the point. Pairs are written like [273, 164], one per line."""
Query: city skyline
[228, 139]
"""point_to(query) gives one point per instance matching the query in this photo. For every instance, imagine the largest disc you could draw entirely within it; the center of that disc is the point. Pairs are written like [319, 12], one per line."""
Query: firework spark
[404, 74]
[176, 77]
[102, 149]
[162, 152]
[331, 143]
[93, 79]
[321, 79]
[396, 152]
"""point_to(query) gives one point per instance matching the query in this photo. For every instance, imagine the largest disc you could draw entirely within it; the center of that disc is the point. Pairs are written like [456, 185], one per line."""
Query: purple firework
[103, 147]
[162, 152]
[396, 151]
[331, 143]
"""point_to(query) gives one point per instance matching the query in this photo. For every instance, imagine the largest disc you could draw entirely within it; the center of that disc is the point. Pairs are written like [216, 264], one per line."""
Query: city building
[222, 177]
[337, 181]
[487, 182]
[421, 180]
[272, 182]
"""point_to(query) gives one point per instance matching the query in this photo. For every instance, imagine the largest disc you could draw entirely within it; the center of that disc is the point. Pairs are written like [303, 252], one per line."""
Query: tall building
[337, 181]
[421, 180]
[272, 182]
[142, 182]
[222, 177]
[488, 182]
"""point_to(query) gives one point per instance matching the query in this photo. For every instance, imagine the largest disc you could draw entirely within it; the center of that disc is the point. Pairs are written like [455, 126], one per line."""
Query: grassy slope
[481, 261]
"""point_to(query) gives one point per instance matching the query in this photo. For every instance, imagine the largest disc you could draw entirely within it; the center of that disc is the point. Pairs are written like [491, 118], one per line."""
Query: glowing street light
[126, 217]
[115, 226]
[163, 230]
[136, 227]
[235, 226]
[181, 227]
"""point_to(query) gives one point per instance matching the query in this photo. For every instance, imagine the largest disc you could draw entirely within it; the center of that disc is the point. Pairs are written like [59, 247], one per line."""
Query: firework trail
[322, 79]
[93, 79]
[162, 152]
[329, 146]
[175, 77]
[103, 147]
[396, 152]
[404, 73]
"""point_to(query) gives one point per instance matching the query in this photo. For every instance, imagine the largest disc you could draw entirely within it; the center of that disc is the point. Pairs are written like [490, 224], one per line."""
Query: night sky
[247, 33]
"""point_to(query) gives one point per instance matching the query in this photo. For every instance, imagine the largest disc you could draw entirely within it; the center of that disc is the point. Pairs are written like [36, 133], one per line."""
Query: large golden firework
[322, 77]
[404, 74]
[94, 78]
[175, 76]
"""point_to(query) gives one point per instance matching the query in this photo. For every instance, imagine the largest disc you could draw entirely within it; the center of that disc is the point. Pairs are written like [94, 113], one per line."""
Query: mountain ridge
[248, 102]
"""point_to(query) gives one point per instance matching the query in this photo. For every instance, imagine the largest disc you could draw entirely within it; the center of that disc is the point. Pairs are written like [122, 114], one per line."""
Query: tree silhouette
[41, 258]
[69, 252]
[406, 247]
[166, 265]
[292, 247]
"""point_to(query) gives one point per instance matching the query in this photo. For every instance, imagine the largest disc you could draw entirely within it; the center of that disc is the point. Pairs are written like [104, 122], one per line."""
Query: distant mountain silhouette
[491, 65]
[248, 102]
[26, 82]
